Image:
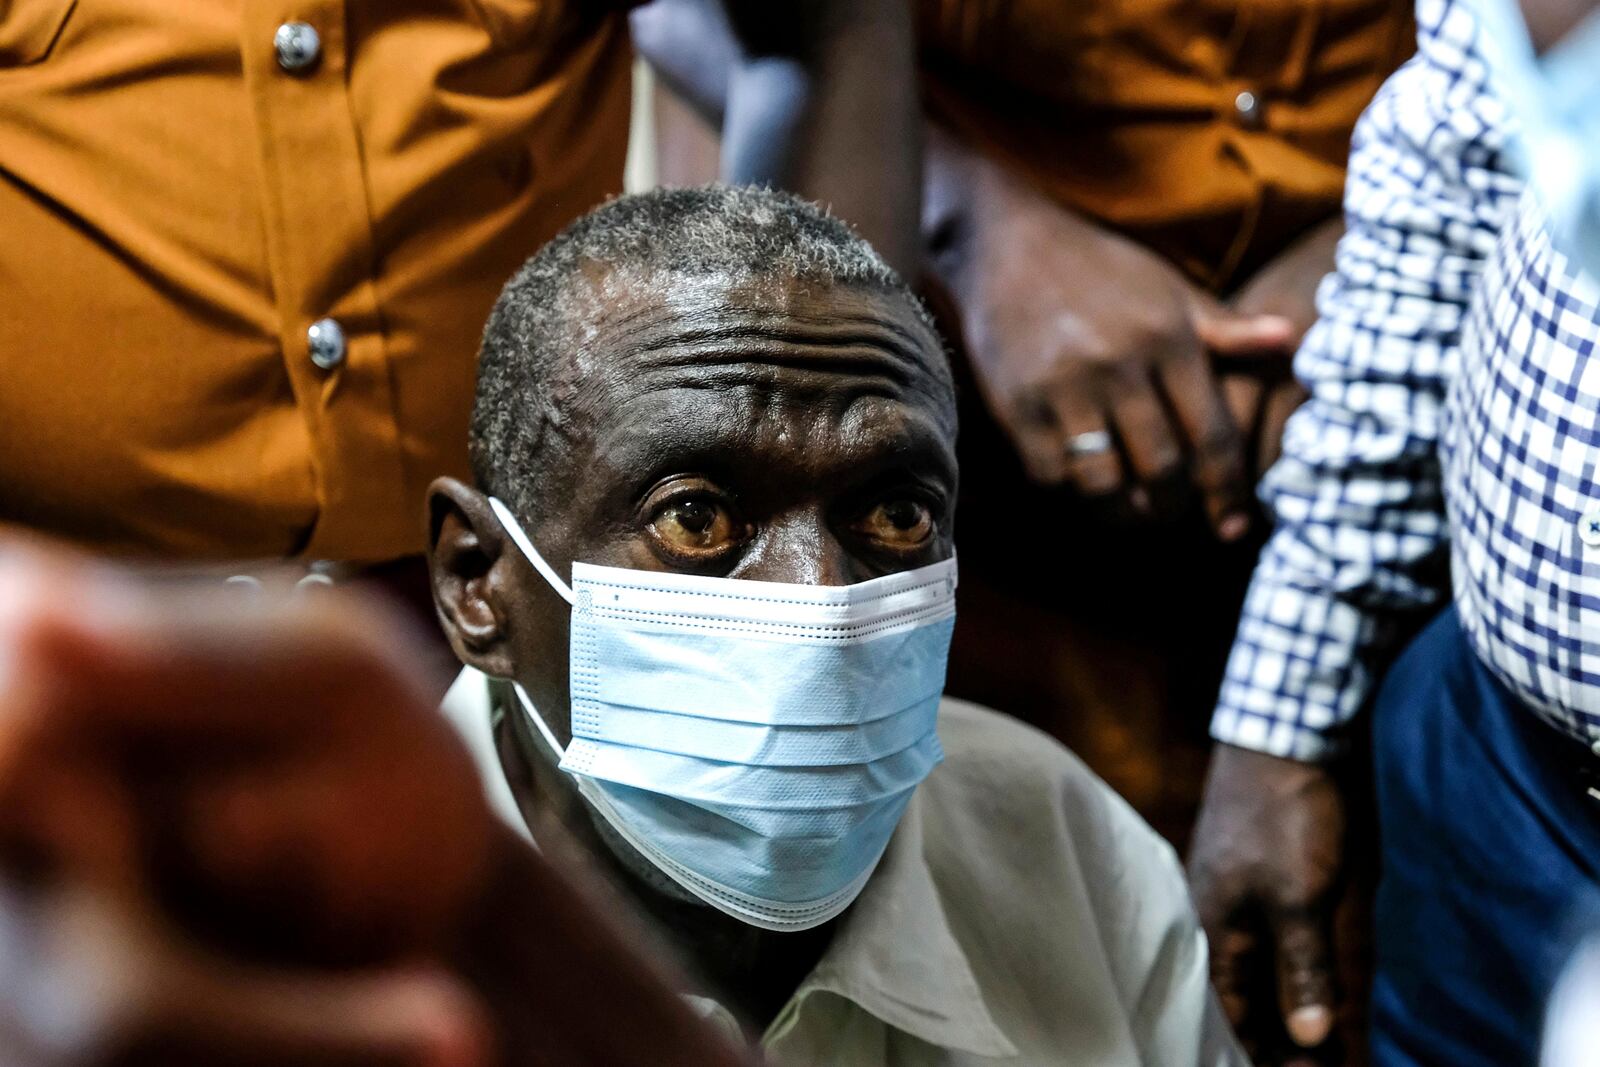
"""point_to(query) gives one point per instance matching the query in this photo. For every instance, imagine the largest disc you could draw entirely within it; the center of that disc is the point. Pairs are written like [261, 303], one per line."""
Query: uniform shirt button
[298, 46]
[1589, 528]
[325, 342]
[1247, 107]
[250, 584]
[320, 573]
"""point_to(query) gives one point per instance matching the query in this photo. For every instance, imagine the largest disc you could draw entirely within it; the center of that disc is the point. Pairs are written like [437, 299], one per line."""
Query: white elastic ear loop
[509, 523]
[538, 720]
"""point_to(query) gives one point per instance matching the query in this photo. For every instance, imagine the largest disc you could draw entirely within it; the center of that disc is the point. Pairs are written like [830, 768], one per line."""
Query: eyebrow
[652, 449]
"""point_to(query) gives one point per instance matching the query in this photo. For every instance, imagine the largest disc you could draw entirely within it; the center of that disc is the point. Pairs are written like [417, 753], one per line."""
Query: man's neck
[753, 972]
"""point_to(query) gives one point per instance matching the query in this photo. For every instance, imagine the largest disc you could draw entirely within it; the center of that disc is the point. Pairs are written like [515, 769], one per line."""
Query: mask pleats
[757, 742]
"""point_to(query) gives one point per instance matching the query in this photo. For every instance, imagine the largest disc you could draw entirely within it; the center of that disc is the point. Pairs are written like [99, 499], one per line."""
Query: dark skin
[1075, 329]
[817, 97]
[1071, 327]
[1135, 347]
[1265, 868]
[781, 432]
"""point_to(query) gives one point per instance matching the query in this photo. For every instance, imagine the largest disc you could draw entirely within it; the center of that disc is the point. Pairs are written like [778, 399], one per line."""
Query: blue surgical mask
[1555, 99]
[756, 741]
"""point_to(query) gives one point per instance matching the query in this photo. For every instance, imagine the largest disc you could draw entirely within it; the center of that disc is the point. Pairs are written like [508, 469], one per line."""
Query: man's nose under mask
[757, 742]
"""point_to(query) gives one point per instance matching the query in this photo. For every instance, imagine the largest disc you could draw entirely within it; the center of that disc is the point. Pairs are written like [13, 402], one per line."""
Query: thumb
[1229, 333]
[1305, 977]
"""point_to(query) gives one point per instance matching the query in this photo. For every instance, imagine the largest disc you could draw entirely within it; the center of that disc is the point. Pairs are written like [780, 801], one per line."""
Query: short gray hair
[525, 379]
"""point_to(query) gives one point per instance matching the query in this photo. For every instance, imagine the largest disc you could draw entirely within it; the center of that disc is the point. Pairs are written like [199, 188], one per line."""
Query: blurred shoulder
[1052, 882]
[1019, 781]
[982, 745]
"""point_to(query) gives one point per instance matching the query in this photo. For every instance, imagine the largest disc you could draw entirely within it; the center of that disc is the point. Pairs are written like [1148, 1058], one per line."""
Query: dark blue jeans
[1491, 861]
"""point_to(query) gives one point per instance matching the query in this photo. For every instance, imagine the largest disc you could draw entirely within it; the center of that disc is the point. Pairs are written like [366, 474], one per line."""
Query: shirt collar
[895, 956]
[470, 709]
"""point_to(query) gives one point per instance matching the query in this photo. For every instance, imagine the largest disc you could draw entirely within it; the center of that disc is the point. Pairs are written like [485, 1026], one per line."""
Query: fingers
[1305, 976]
[1265, 853]
[1272, 976]
[1242, 393]
[1257, 396]
[1261, 409]
[1039, 443]
[1145, 430]
[1217, 897]
[1230, 335]
[1118, 431]
[73, 633]
[1216, 451]
[1156, 404]
[1231, 950]
[1281, 402]
[1085, 443]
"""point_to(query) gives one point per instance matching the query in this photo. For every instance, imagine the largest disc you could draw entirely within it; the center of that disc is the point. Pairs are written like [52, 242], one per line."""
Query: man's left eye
[902, 523]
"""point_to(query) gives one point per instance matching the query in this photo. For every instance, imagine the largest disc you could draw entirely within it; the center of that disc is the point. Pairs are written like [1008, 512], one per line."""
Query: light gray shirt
[1023, 915]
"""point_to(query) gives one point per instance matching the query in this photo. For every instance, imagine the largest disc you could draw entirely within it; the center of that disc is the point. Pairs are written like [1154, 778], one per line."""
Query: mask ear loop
[513, 528]
[538, 720]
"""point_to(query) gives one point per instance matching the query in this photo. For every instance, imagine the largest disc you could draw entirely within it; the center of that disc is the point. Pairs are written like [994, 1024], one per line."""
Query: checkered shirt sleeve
[1359, 544]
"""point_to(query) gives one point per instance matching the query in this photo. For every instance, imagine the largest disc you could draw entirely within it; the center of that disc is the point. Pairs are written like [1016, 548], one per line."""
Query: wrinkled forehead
[793, 383]
[638, 333]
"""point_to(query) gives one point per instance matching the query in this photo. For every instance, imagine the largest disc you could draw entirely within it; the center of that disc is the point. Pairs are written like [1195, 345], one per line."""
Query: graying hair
[526, 382]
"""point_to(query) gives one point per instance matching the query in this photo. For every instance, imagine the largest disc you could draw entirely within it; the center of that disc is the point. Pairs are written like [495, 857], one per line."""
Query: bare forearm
[973, 204]
[818, 98]
[693, 49]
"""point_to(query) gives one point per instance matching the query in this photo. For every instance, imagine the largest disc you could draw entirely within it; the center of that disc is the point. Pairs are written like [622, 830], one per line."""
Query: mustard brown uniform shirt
[187, 189]
[1212, 131]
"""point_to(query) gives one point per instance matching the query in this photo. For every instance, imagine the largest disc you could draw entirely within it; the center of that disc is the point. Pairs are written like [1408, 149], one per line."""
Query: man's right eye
[695, 526]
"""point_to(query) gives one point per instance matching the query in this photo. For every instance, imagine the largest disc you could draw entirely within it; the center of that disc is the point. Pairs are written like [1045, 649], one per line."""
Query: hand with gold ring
[1093, 353]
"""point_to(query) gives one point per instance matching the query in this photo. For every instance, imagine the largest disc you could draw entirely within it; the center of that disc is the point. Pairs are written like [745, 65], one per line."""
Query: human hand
[232, 830]
[1262, 395]
[1264, 868]
[1090, 350]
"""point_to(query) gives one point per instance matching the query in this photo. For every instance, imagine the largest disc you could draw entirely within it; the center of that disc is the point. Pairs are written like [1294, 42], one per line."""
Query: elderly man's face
[783, 433]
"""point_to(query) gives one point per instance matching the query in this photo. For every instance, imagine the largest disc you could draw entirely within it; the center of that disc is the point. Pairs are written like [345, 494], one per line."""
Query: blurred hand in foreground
[233, 831]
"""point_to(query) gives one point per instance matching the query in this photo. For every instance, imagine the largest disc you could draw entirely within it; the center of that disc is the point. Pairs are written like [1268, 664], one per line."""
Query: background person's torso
[176, 209]
[1213, 131]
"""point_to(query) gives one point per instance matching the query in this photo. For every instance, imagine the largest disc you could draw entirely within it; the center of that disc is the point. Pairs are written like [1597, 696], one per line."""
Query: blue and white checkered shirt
[1454, 417]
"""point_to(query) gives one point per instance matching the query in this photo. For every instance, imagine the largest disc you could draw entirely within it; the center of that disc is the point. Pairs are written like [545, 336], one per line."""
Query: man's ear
[467, 565]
